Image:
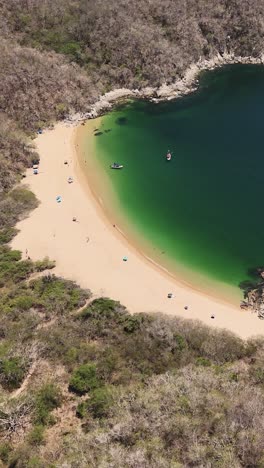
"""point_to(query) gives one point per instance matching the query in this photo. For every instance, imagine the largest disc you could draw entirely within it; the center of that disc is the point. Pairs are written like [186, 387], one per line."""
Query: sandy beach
[90, 251]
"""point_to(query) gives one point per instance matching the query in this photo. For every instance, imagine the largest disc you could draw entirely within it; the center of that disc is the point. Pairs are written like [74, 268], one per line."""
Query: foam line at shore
[90, 251]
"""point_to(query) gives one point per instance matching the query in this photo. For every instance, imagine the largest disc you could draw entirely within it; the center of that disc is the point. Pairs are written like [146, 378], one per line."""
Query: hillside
[82, 382]
[58, 57]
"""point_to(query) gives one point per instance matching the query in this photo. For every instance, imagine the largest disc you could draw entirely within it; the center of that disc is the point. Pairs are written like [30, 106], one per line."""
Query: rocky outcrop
[187, 84]
[254, 295]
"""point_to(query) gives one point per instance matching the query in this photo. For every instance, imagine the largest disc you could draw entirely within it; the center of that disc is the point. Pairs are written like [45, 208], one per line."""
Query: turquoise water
[202, 210]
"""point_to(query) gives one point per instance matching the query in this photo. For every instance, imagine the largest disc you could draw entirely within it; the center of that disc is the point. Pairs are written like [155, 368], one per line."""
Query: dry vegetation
[83, 383]
[59, 56]
[91, 385]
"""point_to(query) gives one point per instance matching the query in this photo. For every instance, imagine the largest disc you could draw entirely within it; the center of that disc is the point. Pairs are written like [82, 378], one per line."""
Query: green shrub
[84, 379]
[15, 271]
[81, 410]
[8, 255]
[5, 451]
[36, 436]
[233, 376]
[22, 302]
[201, 361]
[61, 110]
[181, 342]
[257, 373]
[45, 264]
[7, 234]
[99, 402]
[131, 323]
[24, 197]
[12, 372]
[102, 306]
[48, 398]
[58, 295]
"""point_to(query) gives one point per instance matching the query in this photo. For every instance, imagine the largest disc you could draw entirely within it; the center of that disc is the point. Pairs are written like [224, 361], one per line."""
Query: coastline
[183, 86]
[90, 251]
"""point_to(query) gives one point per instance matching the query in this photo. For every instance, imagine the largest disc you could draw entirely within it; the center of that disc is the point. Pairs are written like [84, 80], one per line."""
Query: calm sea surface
[202, 213]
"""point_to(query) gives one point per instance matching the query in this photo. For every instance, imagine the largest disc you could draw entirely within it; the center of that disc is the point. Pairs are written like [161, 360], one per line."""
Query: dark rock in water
[121, 121]
[98, 133]
[108, 130]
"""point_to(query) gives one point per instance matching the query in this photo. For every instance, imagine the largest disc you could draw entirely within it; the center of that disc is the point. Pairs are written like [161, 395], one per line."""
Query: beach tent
[58, 199]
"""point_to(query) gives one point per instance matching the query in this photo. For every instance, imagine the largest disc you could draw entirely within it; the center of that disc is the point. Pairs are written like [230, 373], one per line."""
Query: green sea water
[200, 213]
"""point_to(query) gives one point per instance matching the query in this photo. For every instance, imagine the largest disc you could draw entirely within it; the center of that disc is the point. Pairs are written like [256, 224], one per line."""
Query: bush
[15, 271]
[23, 302]
[12, 372]
[102, 306]
[8, 255]
[84, 379]
[131, 323]
[45, 264]
[181, 342]
[201, 361]
[48, 398]
[5, 451]
[36, 436]
[99, 403]
[257, 373]
[58, 295]
[7, 234]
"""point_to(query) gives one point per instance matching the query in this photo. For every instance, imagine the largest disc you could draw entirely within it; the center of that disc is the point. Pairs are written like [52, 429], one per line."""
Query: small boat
[168, 156]
[116, 166]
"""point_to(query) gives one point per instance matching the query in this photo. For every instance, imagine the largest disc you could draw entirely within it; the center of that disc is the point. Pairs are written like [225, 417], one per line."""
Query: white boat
[168, 156]
[116, 166]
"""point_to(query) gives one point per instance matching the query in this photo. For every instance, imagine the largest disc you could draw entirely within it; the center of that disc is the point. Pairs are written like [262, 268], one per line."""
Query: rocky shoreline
[254, 293]
[186, 85]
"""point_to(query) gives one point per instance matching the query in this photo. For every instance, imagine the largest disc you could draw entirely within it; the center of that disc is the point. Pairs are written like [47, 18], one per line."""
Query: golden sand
[90, 250]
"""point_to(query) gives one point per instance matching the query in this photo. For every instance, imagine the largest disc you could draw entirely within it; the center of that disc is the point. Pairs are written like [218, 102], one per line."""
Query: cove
[199, 215]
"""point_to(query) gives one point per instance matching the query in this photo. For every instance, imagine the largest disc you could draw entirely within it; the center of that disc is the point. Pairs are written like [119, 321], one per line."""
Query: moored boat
[116, 166]
[168, 155]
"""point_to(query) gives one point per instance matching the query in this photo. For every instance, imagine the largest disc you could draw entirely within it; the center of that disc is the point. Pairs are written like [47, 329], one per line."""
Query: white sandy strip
[90, 251]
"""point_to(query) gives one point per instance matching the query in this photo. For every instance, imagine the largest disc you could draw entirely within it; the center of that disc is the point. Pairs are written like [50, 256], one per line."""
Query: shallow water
[201, 213]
